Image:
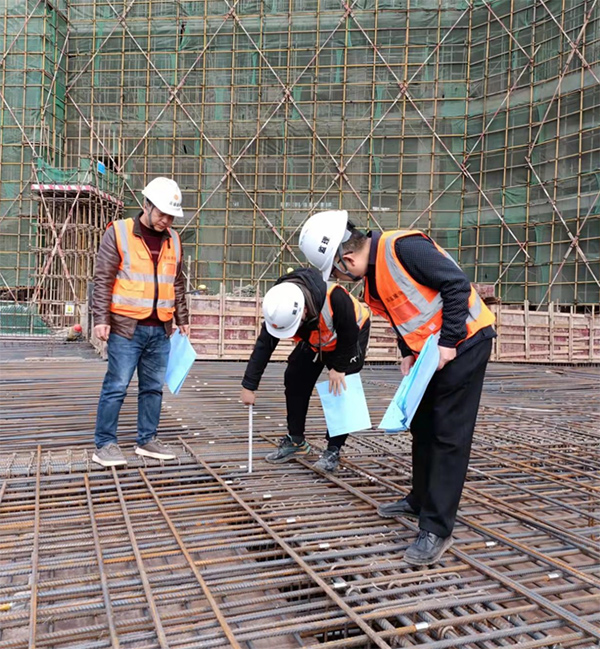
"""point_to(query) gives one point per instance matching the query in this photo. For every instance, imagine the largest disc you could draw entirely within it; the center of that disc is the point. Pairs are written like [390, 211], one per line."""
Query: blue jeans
[148, 351]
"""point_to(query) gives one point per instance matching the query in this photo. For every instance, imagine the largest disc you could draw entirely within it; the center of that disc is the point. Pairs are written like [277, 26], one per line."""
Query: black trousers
[442, 432]
[302, 373]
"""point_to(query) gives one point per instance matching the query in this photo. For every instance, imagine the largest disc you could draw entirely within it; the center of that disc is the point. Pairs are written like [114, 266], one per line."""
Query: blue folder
[346, 412]
[410, 392]
[181, 359]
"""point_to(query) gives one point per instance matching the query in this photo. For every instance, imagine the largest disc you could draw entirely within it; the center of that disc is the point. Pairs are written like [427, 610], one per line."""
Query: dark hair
[356, 241]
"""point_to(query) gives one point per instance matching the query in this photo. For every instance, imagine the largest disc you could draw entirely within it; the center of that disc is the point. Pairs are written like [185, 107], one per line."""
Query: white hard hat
[283, 308]
[165, 194]
[321, 238]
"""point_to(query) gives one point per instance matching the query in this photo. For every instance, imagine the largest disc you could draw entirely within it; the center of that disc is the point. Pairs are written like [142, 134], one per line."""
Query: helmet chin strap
[344, 269]
[150, 224]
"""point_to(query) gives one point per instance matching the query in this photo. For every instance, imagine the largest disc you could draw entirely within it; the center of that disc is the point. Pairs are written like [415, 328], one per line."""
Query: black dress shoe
[399, 508]
[427, 549]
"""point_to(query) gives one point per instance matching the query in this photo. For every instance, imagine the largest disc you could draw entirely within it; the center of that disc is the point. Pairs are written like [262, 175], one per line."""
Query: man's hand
[247, 397]
[184, 330]
[406, 363]
[102, 332]
[336, 382]
[447, 354]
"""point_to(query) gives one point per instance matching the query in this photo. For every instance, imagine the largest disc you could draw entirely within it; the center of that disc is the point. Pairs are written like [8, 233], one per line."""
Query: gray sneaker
[287, 449]
[329, 461]
[109, 455]
[157, 450]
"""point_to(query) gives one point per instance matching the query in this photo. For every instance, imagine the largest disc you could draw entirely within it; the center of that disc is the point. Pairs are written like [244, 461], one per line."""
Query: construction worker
[332, 330]
[138, 290]
[420, 290]
[71, 334]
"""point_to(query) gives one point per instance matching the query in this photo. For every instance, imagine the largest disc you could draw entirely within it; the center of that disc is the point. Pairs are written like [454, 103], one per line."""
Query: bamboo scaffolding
[266, 113]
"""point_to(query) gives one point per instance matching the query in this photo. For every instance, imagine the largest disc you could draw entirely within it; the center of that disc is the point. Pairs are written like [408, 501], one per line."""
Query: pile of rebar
[198, 553]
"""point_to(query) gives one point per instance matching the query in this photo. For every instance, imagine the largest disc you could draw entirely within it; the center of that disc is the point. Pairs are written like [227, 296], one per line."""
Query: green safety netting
[85, 174]
[400, 155]
[21, 320]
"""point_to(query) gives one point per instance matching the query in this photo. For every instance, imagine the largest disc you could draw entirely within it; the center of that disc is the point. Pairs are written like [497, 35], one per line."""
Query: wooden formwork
[225, 327]
[548, 336]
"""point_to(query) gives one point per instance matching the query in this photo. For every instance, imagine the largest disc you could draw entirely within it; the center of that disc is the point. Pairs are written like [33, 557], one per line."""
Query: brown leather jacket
[107, 265]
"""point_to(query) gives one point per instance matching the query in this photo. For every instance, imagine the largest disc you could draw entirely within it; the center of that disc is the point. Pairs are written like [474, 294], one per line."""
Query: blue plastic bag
[402, 409]
[347, 412]
[181, 359]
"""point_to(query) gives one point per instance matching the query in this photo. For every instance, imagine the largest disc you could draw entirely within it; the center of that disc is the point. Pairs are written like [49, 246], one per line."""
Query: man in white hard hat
[415, 284]
[332, 330]
[138, 292]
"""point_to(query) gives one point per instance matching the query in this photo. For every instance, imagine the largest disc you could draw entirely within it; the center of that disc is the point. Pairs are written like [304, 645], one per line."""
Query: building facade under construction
[477, 122]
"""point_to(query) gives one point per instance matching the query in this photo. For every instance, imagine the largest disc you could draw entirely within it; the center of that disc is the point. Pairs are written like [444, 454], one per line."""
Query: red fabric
[153, 240]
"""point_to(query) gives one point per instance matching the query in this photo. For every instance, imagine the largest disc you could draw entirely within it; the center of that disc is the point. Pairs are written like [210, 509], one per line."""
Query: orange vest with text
[138, 282]
[324, 337]
[414, 310]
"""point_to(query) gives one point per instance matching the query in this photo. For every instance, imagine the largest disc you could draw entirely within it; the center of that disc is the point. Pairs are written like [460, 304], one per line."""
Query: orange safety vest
[138, 282]
[324, 338]
[414, 310]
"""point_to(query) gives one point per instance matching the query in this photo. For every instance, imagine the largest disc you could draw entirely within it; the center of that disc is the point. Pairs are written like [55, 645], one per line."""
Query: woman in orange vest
[138, 292]
[331, 329]
[415, 284]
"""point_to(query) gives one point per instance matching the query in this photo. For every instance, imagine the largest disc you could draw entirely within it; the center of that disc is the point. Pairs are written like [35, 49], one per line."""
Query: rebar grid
[198, 553]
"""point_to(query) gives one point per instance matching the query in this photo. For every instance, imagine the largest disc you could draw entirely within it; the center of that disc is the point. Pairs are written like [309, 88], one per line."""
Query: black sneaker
[329, 461]
[287, 449]
[427, 549]
[398, 508]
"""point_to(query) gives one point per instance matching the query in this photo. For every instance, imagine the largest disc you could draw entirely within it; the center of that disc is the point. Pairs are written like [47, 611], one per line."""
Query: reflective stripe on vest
[177, 243]
[324, 338]
[413, 309]
[136, 283]
[160, 304]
